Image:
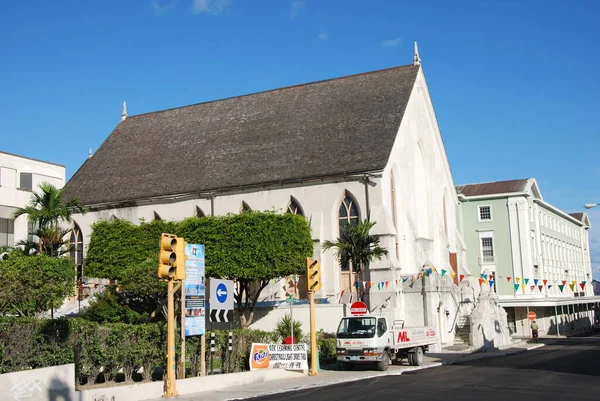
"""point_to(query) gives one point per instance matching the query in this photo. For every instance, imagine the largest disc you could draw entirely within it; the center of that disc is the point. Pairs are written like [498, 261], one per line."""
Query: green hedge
[100, 351]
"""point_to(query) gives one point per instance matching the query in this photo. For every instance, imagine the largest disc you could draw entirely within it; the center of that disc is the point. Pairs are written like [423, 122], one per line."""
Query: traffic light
[167, 256]
[313, 274]
[181, 258]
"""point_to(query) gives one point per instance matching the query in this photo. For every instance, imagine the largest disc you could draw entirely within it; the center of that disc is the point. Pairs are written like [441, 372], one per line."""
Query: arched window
[348, 212]
[245, 207]
[421, 194]
[294, 207]
[76, 250]
[199, 212]
[393, 199]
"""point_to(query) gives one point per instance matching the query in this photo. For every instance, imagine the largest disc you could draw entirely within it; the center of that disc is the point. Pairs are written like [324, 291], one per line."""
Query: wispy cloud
[295, 8]
[323, 36]
[161, 7]
[391, 42]
[213, 7]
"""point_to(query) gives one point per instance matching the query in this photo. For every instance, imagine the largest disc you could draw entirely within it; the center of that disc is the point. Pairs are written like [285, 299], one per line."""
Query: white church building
[364, 146]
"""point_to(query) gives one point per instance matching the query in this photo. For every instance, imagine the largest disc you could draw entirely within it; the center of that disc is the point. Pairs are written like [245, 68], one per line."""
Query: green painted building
[533, 255]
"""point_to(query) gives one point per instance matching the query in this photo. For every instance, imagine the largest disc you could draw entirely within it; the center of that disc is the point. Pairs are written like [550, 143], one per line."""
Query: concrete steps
[462, 335]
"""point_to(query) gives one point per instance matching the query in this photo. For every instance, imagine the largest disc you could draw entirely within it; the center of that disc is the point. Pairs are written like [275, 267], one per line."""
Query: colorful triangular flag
[516, 287]
[452, 275]
[550, 286]
[517, 279]
[491, 282]
[564, 282]
[526, 280]
[540, 287]
[535, 281]
[545, 282]
[561, 287]
[443, 272]
[461, 277]
[532, 287]
[508, 278]
[523, 285]
[582, 286]
[481, 281]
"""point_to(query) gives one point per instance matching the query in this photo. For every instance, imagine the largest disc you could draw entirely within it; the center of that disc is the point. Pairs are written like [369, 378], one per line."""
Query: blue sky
[514, 82]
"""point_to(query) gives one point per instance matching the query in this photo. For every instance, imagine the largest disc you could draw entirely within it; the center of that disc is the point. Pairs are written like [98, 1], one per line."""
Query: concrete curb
[484, 356]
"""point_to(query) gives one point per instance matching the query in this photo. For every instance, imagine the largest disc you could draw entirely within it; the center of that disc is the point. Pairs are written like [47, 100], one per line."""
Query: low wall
[56, 383]
[327, 316]
[147, 391]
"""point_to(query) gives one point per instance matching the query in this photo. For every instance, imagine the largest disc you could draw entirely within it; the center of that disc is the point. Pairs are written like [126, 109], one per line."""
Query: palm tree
[356, 247]
[47, 210]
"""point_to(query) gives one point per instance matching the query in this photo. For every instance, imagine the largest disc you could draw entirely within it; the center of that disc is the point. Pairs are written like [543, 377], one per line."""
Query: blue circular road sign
[221, 293]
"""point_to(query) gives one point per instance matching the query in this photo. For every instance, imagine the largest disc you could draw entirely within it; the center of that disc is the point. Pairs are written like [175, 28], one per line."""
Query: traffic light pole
[170, 383]
[313, 336]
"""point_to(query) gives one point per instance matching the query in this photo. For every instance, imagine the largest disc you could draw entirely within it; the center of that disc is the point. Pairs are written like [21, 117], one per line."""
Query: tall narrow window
[199, 212]
[7, 232]
[445, 214]
[294, 207]
[393, 200]
[487, 249]
[348, 212]
[76, 250]
[245, 207]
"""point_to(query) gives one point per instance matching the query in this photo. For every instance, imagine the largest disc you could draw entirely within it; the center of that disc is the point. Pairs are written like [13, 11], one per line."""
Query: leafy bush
[282, 329]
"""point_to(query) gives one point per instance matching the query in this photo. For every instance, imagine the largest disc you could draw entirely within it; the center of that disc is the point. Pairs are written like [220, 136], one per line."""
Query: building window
[7, 232]
[487, 248]
[294, 207]
[485, 213]
[393, 199]
[348, 213]
[199, 212]
[26, 182]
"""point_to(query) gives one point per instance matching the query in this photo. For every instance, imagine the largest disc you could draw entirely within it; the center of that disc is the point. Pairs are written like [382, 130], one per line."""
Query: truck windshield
[356, 327]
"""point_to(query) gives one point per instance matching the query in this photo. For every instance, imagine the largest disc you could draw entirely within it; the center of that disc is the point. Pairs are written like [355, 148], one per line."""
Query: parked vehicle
[372, 339]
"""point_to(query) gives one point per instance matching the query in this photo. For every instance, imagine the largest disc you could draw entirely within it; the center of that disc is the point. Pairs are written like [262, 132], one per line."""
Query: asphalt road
[569, 369]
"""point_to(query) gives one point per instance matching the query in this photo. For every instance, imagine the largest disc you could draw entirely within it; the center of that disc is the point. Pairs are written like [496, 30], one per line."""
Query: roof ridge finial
[124, 112]
[417, 59]
[90, 154]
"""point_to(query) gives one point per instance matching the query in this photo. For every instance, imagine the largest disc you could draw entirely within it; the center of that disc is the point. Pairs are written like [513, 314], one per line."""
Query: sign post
[221, 300]
[290, 300]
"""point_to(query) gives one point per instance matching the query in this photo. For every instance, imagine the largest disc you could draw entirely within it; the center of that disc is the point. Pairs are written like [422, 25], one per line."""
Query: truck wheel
[418, 356]
[411, 361]
[385, 362]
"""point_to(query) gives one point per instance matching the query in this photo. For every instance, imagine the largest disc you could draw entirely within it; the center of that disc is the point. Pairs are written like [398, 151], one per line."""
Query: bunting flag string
[481, 281]
[491, 276]
[485, 276]
[491, 282]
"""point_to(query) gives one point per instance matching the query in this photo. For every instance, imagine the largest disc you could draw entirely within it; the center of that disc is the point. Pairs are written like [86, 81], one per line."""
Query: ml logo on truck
[403, 337]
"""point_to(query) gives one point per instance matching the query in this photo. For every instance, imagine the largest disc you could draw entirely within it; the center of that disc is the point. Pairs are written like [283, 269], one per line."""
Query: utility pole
[313, 278]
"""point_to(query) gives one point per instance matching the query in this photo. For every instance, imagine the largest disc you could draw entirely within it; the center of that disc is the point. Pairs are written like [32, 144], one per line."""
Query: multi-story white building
[535, 256]
[19, 177]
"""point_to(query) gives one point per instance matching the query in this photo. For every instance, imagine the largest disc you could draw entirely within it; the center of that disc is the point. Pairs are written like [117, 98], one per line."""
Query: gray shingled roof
[489, 188]
[343, 125]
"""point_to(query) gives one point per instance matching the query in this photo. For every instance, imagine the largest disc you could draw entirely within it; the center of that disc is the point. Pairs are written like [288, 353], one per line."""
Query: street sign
[531, 315]
[195, 290]
[358, 308]
[221, 300]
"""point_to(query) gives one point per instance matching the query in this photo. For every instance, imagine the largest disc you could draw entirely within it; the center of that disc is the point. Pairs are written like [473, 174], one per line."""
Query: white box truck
[374, 339]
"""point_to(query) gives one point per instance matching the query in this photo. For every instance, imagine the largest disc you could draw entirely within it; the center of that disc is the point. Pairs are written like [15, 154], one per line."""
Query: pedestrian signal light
[180, 259]
[313, 274]
[167, 257]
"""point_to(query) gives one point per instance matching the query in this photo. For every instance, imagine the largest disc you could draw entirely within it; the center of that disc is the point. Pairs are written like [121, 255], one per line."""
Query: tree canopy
[34, 284]
[250, 248]
[47, 211]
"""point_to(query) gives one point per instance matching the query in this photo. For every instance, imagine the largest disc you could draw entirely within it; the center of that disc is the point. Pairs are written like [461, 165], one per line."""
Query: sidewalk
[331, 376]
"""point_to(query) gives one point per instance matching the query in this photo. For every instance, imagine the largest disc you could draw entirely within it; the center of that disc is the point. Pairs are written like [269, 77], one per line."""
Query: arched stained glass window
[294, 207]
[348, 212]
[245, 207]
[76, 250]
